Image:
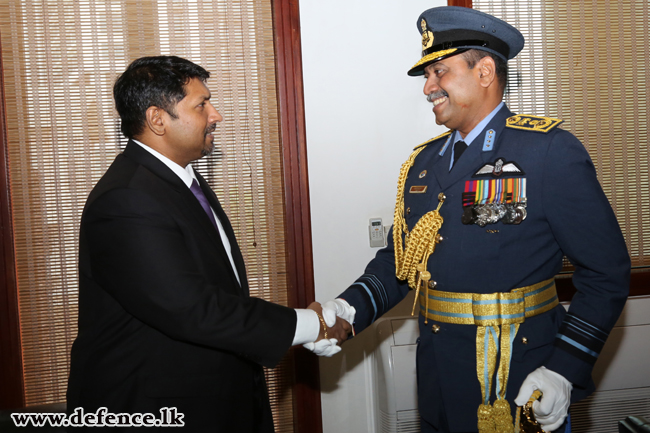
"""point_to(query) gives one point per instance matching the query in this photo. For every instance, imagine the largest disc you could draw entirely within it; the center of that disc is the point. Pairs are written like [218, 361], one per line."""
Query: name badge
[418, 189]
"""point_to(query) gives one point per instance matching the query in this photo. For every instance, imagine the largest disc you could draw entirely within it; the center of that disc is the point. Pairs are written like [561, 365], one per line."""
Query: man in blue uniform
[485, 213]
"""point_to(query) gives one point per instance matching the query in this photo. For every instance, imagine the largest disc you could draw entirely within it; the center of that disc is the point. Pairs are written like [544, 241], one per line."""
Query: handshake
[337, 318]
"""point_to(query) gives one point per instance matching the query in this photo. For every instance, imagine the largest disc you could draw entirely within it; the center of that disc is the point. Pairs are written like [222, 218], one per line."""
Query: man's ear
[487, 71]
[155, 120]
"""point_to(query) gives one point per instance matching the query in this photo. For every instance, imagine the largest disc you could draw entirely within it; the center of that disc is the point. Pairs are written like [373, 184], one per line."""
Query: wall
[364, 115]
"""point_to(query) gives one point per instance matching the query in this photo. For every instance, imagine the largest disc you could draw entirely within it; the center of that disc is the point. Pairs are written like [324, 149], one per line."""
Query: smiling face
[188, 132]
[456, 92]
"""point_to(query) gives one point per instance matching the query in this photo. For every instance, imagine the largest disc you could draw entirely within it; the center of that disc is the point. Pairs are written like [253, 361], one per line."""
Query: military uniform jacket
[567, 214]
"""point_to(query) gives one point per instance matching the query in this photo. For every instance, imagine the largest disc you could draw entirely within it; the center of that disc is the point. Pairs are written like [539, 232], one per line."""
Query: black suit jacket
[163, 321]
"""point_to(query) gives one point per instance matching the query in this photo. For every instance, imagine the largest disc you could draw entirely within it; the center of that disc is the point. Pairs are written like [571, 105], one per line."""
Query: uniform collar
[478, 128]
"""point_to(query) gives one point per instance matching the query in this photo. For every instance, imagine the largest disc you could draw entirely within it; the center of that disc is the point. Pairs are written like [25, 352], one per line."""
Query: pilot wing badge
[499, 167]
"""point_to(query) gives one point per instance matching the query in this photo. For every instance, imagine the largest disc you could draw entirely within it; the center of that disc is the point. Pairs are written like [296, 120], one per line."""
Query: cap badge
[427, 36]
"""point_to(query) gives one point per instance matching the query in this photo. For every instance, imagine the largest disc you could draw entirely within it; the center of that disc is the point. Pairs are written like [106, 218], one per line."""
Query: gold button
[435, 329]
[524, 340]
[432, 284]
[439, 238]
[442, 197]
[408, 210]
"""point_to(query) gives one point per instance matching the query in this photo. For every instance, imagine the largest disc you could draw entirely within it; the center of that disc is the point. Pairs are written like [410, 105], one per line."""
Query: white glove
[338, 307]
[552, 408]
[323, 347]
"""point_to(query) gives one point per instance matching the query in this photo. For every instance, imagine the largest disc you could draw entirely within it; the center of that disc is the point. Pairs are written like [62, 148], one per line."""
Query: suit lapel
[441, 164]
[230, 233]
[190, 206]
[201, 219]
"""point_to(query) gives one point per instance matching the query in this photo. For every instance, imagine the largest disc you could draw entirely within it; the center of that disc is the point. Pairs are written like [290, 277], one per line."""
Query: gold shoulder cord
[418, 244]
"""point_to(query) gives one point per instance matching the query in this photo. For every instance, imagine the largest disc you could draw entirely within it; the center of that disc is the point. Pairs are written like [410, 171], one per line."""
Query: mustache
[435, 95]
[210, 129]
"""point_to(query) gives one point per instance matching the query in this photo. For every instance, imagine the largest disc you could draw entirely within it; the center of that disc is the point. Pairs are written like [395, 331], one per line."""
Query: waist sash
[490, 309]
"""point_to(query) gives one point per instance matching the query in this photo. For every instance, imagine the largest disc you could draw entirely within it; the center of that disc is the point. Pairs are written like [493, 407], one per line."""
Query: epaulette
[432, 140]
[532, 123]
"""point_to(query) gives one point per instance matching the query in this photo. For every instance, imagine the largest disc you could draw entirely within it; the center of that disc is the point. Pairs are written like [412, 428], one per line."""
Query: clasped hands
[338, 316]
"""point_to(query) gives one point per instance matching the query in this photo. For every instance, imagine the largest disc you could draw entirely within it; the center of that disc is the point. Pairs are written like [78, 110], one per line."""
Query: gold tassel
[503, 416]
[425, 277]
[485, 419]
[421, 268]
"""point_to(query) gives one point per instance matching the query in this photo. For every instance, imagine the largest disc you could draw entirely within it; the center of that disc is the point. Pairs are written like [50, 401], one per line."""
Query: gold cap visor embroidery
[433, 56]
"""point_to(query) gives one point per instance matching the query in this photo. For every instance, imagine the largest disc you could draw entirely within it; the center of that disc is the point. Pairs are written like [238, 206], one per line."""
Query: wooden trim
[463, 3]
[286, 20]
[639, 285]
[12, 391]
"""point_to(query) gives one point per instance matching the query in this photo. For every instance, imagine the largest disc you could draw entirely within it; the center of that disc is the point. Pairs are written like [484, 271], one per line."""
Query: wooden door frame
[300, 268]
[12, 391]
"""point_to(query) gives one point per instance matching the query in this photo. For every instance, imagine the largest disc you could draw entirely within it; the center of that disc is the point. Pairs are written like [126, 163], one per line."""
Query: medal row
[493, 200]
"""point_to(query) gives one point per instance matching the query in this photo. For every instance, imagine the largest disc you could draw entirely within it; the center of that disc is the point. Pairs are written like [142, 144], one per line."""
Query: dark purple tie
[198, 193]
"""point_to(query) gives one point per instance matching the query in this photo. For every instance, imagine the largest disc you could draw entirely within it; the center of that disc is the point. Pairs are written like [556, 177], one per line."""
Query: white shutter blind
[588, 62]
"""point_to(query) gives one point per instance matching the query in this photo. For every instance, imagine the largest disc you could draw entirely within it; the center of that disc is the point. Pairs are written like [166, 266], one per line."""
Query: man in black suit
[165, 316]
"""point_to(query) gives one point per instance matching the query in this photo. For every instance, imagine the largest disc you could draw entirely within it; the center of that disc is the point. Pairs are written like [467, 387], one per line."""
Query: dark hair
[473, 56]
[152, 81]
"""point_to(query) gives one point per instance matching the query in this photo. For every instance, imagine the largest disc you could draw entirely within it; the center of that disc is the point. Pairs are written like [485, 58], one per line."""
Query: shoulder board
[532, 123]
[432, 140]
